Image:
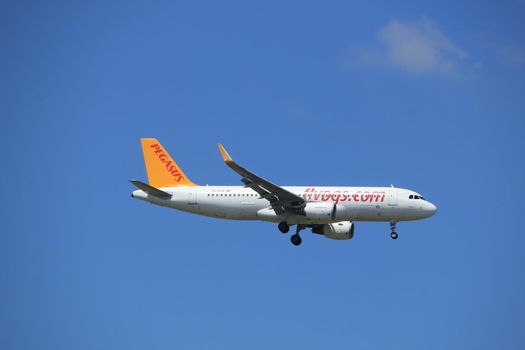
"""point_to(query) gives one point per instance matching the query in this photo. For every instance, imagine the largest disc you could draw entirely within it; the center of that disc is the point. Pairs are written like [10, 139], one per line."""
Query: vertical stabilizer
[161, 168]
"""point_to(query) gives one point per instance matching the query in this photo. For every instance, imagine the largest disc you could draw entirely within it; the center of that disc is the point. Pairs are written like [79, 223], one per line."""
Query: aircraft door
[192, 198]
[392, 197]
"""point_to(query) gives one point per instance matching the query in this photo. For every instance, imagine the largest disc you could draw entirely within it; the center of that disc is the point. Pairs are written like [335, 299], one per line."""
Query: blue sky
[427, 96]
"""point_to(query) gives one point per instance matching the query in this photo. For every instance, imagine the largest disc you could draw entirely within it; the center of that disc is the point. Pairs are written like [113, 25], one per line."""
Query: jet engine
[337, 230]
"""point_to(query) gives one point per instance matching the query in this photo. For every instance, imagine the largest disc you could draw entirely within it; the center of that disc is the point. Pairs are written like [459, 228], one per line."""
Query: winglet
[225, 154]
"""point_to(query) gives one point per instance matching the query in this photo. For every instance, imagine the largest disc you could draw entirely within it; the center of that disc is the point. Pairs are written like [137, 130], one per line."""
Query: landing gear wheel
[284, 227]
[393, 233]
[296, 239]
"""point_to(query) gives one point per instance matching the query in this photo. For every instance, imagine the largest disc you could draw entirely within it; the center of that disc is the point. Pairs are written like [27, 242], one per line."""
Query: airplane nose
[431, 209]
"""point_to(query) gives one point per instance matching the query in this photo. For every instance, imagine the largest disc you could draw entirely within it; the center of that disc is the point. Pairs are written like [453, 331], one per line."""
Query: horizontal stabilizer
[153, 191]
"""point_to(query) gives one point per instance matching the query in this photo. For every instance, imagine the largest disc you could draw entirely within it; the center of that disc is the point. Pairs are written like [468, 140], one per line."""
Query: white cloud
[414, 46]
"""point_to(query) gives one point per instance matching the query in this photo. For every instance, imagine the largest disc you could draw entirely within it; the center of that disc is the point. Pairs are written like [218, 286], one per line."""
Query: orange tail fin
[161, 168]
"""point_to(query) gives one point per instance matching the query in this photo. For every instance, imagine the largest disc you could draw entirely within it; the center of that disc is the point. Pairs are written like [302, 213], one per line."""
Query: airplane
[328, 211]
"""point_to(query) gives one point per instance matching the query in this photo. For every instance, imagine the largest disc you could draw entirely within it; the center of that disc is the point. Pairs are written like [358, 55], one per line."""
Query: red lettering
[306, 194]
[326, 196]
[336, 196]
[377, 195]
[164, 158]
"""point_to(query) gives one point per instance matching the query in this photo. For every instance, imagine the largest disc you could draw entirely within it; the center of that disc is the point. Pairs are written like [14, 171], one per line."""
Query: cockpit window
[415, 196]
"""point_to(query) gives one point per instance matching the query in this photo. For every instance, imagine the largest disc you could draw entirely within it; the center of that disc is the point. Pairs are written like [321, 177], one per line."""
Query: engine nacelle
[320, 211]
[337, 230]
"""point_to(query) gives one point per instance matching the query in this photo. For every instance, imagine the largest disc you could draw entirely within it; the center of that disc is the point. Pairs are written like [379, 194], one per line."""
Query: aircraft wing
[281, 200]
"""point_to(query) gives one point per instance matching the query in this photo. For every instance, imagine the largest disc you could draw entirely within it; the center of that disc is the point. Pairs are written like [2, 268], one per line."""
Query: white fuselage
[352, 203]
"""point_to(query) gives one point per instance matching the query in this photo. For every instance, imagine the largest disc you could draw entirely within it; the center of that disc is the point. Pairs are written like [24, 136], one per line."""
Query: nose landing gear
[393, 234]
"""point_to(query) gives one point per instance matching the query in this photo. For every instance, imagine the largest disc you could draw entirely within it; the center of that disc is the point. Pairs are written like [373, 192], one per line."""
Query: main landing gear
[296, 239]
[284, 227]
[393, 234]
